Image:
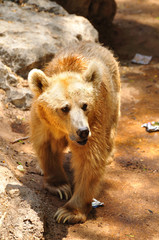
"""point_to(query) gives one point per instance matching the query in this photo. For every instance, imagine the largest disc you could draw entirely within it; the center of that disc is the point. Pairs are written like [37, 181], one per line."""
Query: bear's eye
[84, 107]
[65, 109]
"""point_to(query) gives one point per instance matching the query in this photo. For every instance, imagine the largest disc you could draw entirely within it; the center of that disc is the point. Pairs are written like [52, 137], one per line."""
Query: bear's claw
[63, 191]
[63, 215]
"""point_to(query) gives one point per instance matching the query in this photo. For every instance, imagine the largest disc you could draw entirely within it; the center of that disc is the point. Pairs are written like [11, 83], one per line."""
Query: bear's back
[76, 58]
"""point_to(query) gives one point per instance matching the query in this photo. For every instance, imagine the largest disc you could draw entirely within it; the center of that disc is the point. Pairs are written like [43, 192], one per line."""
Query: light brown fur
[86, 73]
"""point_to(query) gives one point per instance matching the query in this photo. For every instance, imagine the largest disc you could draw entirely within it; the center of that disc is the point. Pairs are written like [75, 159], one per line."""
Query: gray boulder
[47, 6]
[30, 35]
[30, 38]
[20, 210]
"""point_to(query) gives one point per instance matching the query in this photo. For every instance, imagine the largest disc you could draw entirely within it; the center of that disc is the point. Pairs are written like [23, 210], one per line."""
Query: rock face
[47, 6]
[20, 210]
[98, 11]
[29, 38]
[30, 35]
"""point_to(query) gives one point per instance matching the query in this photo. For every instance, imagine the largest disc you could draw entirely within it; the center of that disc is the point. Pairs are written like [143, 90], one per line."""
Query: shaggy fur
[79, 89]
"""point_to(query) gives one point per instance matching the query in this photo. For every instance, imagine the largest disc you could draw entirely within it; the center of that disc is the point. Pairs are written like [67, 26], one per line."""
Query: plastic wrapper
[151, 126]
[96, 203]
[141, 59]
[20, 168]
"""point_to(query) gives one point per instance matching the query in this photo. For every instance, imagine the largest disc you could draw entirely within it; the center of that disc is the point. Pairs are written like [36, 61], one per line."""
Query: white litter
[20, 168]
[151, 126]
[141, 59]
[96, 203]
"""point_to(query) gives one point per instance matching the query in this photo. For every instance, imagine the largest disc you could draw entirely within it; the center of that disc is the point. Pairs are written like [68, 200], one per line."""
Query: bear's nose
[83, 132]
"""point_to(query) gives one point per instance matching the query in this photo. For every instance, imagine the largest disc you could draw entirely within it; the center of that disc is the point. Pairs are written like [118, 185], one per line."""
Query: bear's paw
[63, 191]
[68, 215]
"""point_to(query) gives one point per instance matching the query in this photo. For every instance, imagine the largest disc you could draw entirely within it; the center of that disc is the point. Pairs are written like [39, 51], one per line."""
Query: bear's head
[66, 101]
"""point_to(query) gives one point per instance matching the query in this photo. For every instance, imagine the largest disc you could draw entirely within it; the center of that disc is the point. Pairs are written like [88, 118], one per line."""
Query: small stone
[21, 98]
[20, 168]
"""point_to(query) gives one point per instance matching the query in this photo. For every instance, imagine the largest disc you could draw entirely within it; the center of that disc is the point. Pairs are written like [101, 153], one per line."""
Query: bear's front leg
[78, 207]
[87, 175]
[51, 163]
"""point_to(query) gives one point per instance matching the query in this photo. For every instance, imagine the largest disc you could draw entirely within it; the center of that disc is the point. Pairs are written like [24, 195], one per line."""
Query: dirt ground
[130, 190]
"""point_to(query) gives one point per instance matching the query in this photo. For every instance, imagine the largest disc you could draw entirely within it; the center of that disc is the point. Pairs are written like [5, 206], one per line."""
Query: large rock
[48, 6]
[20, 210]
[29, 37]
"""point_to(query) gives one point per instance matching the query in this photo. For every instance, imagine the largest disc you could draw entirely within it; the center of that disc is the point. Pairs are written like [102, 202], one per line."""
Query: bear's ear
[93, 73]
[38, 81]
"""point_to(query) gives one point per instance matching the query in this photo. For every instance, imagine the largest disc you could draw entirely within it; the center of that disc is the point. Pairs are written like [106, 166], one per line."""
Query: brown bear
[76, 103]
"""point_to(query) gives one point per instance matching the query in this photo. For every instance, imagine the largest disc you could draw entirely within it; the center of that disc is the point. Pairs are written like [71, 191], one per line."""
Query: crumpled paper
[141, 59]
[151, 126]
[96, 203]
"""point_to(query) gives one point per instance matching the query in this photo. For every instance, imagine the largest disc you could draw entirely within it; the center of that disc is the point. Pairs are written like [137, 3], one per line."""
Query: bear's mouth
[82, 142]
